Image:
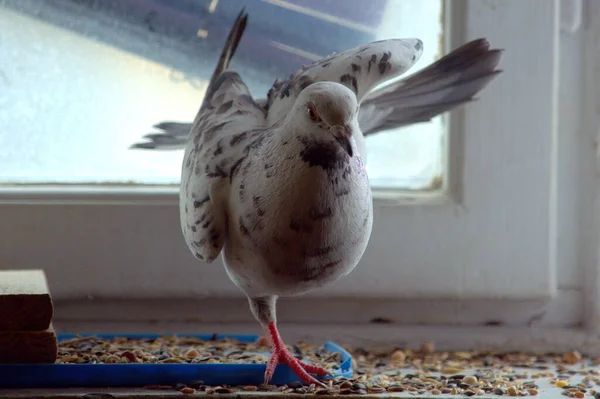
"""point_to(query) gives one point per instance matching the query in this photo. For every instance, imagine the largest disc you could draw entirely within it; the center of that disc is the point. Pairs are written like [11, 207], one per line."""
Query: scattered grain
[470, 380]
[375, 371]
[398, 356]
[376, 389]
[197, 384]
[262, 342]
[130, 356]
[573, 357]
[428, 347]
[396, 388]
[192, 354]
[157, 387]
[452, 370]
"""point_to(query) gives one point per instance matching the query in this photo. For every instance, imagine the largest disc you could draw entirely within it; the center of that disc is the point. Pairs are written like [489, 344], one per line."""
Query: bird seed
[376, 372]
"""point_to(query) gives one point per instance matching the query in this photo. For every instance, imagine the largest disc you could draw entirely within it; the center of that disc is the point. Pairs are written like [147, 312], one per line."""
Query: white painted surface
[564, 312]
[571, 15]
[537, 340]
[515, 226]
[589, 176]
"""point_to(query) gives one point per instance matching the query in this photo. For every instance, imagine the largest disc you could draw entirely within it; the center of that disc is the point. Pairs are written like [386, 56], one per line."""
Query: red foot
[282, 355]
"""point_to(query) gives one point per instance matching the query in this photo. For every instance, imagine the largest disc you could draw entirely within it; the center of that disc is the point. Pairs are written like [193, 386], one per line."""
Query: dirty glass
[81, 80]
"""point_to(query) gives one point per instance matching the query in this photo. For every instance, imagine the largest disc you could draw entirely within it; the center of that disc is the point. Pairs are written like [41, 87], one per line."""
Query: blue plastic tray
[138, 375]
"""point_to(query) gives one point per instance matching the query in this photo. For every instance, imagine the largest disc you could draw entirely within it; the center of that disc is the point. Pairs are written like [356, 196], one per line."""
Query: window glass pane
[81, 80]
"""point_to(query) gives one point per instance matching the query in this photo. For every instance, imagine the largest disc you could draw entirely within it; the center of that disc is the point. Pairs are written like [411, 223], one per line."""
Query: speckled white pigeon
[279, 186]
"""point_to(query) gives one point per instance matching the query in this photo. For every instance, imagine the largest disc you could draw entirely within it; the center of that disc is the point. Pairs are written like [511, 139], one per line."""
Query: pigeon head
[329, 108]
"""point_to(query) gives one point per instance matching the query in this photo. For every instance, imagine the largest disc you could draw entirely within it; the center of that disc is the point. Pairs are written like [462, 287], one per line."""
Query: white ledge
[131, 194]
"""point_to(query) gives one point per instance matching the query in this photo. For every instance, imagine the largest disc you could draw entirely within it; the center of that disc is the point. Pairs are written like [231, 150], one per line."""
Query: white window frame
[496, 246]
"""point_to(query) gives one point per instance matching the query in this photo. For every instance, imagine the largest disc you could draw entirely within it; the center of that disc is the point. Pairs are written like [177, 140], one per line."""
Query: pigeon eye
[312, 113]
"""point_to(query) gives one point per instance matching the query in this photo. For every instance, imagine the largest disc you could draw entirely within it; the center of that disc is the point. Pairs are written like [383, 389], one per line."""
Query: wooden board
[28, 346]
[25, 301]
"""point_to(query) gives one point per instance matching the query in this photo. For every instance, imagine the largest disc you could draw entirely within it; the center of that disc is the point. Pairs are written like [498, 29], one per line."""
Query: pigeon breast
[300, 216]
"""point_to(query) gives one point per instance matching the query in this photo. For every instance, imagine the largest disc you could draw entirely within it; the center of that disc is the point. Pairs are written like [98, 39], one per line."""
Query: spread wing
[360, 69]
[215, 148]
[450, 81]
[447, 83]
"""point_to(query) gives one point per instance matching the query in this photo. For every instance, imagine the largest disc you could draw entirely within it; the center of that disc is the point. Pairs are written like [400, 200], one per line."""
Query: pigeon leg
[282, 355]
[264, 310]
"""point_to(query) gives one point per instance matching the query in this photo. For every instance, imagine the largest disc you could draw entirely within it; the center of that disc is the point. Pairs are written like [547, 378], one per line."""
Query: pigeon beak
[343, 134]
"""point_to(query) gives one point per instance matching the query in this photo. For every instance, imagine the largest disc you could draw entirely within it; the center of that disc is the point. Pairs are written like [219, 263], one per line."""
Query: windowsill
[102, 194]
[452, 324]
[533, 339]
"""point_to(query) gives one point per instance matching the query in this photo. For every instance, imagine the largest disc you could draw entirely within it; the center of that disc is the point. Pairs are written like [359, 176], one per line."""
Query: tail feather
[426, 81]
[453, 92]
[470, 59]
[233, 39]
[447, 83]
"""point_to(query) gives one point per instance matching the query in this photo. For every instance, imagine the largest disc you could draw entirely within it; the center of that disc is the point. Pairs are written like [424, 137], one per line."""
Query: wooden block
[28, 346]
[25, 302]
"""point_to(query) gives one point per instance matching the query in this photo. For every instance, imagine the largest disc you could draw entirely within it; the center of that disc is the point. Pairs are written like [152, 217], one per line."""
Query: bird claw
[299, 368]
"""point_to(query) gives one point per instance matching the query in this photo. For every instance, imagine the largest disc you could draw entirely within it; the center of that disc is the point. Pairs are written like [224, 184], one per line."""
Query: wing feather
[360, 69]
[447, 83]
[214, 147]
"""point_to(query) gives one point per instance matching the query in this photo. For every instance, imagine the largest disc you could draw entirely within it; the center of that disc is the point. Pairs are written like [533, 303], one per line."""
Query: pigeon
[278, 187]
